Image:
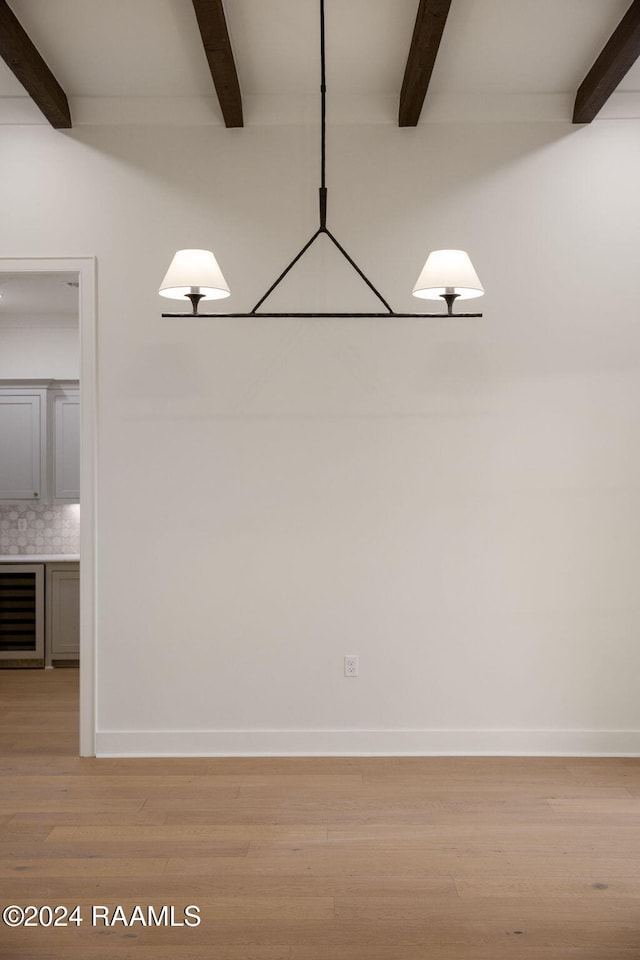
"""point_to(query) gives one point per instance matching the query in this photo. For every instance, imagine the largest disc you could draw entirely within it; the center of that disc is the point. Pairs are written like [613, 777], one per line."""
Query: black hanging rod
[322, 229]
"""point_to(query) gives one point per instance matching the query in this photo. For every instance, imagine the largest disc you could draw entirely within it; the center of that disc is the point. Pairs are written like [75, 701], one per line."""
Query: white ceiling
[129, 49]
[27, 295]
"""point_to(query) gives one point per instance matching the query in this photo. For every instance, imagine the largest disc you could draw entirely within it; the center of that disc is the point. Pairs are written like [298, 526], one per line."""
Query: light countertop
[40, 558]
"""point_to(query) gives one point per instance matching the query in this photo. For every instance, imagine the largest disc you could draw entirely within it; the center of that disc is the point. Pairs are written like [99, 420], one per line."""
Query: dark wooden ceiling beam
[22, 57]
[618, 55]
[427, 34]
[217, 46]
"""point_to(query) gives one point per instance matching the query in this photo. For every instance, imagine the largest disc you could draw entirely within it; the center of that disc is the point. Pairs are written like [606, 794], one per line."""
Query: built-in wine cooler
[21, 615]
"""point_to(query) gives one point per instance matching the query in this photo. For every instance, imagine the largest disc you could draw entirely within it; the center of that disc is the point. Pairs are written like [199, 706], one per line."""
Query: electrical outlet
[22, 525]
[351, 665]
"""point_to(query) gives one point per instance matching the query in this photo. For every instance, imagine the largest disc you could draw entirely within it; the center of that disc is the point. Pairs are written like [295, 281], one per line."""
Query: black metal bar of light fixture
[448, 297]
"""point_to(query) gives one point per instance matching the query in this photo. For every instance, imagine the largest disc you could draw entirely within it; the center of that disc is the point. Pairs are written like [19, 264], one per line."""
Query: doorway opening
[65, 281]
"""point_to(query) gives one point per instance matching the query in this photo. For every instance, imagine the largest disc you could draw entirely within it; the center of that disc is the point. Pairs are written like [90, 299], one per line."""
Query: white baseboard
[367, 743]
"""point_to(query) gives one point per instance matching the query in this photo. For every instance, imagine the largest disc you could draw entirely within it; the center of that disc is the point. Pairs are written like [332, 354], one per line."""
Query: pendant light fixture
[447, 274]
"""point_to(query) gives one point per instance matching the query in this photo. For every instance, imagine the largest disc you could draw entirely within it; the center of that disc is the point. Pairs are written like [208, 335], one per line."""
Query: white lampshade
[194, 271]
[448, 271]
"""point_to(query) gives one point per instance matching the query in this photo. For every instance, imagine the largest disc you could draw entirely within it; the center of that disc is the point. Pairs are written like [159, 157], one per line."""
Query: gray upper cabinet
[22, 445]
[40, 442]
[66, 446]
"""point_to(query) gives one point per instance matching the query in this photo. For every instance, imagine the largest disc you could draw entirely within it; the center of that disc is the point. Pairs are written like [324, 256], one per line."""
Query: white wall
[455, 501]
[39, 347]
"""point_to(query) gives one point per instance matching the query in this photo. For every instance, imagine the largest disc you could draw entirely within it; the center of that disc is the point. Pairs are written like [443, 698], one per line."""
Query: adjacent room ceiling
[144, 60]
[24, 295]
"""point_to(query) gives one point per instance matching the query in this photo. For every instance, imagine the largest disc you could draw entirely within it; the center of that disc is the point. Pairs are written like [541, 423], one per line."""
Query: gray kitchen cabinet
[23, 440]
[63, 612]
[40, 441]
[66, 445]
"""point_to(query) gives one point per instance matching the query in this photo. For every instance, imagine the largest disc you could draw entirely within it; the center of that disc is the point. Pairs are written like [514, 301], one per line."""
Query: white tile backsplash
[50, 529]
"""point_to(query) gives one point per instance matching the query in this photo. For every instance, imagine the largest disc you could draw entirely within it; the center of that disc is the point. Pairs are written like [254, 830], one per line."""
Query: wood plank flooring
[310, 859]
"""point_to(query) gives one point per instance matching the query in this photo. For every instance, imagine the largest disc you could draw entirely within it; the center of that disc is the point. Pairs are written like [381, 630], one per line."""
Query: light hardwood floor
[311, 859]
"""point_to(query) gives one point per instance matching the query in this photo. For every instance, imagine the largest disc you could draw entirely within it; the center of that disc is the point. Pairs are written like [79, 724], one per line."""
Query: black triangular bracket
[322, 229]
